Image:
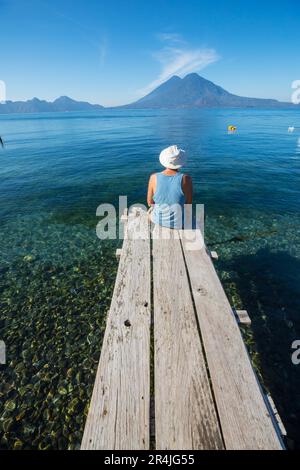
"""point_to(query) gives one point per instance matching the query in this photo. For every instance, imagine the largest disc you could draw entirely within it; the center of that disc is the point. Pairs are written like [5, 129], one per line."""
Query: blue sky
[113, 51]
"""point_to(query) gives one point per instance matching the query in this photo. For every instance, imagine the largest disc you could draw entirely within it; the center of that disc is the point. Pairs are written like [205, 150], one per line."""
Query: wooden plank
[214, 255]
[119, 411]
[2, 352]
[185, 416]
[243, 317]
[276, 415]
[245, 420]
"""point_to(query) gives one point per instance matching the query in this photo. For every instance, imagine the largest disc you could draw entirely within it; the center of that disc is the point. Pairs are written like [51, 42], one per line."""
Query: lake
[57, 276]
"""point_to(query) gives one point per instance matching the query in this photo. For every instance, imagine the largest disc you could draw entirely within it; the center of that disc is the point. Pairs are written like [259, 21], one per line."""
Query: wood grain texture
[119, 410]
[244, 417]
[243, 317]
[185, 416]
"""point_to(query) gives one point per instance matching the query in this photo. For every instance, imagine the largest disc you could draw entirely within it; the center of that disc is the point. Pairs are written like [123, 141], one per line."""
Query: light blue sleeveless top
[169, 201]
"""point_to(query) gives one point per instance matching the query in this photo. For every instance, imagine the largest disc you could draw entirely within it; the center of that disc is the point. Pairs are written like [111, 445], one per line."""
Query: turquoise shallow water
[57, 277]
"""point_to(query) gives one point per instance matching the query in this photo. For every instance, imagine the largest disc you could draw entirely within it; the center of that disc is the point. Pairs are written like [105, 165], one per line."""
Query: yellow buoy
[232, 128]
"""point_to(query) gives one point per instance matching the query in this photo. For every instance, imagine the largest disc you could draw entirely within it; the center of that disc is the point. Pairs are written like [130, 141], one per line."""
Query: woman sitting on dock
[170, 193]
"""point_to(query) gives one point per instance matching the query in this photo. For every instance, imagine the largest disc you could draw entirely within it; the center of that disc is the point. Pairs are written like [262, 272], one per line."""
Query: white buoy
[291, 129]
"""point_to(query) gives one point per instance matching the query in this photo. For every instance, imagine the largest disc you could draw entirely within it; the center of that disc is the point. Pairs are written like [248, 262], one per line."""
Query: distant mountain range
[194, 91]
[62, 104]
[191, 91]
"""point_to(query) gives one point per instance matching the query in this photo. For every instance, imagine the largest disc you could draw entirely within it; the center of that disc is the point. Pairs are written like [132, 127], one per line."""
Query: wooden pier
[173, 339]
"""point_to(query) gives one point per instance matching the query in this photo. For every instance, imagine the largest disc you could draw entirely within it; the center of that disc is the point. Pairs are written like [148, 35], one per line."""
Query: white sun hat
[173, 157]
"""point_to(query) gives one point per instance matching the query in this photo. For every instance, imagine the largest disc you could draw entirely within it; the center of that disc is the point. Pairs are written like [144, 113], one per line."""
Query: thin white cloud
[86, 32]
[178, 59]
[103, 47]
[172, 38]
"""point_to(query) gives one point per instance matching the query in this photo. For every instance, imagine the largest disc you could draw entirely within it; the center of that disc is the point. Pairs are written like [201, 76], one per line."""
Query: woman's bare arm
[187, 188]
[151, 190]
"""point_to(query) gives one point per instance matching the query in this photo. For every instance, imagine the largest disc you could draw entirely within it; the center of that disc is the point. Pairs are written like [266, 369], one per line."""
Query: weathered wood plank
[276, 415]
[119, 411]
[185, 416]
[243, 317]
[214, 255]
[245, 420]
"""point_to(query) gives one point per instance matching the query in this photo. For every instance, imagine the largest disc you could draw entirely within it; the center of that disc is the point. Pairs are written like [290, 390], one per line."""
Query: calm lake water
[57, 277]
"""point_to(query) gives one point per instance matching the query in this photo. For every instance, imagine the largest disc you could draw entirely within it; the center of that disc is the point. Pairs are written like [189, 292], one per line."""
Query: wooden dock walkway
[206, 393]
